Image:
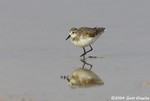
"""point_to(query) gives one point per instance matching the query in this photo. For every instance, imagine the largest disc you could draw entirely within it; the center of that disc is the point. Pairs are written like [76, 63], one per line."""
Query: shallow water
[34, 53]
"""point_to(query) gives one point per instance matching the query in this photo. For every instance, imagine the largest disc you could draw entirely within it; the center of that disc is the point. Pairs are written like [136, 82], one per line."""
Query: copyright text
[130, 98]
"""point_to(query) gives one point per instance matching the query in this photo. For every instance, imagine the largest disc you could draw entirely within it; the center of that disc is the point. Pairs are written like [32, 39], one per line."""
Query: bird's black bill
[68, 37]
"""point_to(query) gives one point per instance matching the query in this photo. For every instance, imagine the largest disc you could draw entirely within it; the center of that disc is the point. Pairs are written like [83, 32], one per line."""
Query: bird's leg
[83, 53]
[84, 62]
[89, 50]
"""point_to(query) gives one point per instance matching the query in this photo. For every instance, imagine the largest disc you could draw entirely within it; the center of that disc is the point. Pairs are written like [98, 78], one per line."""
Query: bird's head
[72, 33]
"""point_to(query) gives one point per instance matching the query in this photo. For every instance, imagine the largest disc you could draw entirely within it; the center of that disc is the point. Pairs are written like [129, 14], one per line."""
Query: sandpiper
[85, 36]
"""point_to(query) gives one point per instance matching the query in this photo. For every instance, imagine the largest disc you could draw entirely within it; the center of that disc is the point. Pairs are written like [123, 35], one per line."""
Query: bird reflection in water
[83, 77]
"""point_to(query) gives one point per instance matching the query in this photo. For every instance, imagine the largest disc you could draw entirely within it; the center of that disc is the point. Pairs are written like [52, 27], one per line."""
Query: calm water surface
[34, 53]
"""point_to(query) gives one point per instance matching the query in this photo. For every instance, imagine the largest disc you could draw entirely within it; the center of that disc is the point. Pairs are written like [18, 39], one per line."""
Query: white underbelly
[83, 42]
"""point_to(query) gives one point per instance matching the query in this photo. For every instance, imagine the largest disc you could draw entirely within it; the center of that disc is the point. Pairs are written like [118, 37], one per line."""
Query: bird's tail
[99, 30]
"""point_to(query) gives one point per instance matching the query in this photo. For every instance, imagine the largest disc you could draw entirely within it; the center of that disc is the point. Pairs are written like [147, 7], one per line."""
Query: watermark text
[130, 98]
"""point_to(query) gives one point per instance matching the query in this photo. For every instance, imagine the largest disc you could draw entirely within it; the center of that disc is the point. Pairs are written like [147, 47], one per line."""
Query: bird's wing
[89, 32]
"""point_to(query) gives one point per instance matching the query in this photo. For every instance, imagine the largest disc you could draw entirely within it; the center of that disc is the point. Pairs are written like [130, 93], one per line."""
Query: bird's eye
[72, 32]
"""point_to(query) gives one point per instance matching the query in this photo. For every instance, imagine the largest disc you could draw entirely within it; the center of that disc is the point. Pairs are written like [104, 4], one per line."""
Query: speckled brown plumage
[86, 31]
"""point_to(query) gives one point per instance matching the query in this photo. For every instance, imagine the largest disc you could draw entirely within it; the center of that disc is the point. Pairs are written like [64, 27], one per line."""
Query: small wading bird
[84, 37]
